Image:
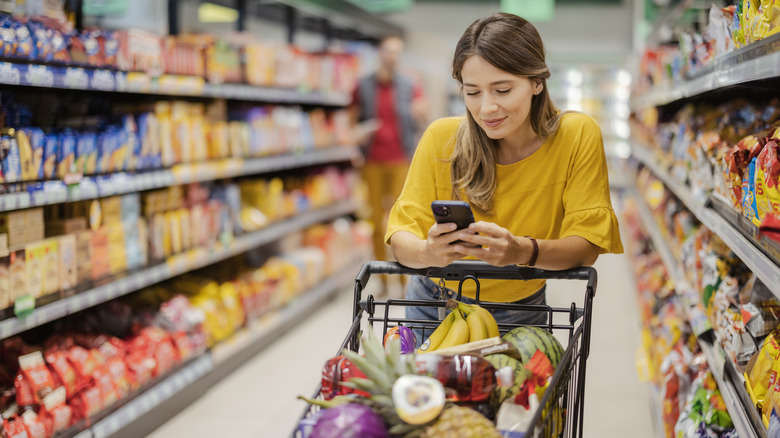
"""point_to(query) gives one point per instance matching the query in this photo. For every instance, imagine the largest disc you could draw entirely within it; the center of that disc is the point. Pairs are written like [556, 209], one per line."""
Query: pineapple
[460, 422]
[382, 370]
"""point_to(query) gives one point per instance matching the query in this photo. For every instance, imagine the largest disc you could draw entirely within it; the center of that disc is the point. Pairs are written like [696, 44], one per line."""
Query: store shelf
[150, 399]
[761, 265]
[96, 79]
[173, 266]
[716, 359]
[656, 410]
[154, 408]
[760, 60]
[268, 328]
[713, 352]
[56, 192]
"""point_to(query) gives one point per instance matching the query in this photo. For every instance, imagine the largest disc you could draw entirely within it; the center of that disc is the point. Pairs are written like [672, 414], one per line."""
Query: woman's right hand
[438, 249]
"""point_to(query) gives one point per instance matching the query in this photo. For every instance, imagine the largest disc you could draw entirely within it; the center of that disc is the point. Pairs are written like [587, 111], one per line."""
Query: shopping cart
[565, 394]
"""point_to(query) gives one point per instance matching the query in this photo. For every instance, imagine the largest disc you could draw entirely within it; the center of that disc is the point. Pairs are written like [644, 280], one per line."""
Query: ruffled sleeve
[587, 205]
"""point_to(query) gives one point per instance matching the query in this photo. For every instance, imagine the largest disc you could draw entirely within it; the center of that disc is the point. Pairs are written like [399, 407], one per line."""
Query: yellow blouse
[561, 190]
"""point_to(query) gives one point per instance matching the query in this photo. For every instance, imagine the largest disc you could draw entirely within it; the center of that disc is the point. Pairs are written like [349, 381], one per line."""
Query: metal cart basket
[565, 395]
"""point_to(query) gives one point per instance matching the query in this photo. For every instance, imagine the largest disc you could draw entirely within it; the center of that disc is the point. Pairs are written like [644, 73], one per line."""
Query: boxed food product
[100, 253]
[34, 258]
[5, 280]
[67, 262]
[18, 274]
[22, 227]
[117, 259]
[51, 266]
[12, 161]
[83, 256]
[66, 155]
[60, 227]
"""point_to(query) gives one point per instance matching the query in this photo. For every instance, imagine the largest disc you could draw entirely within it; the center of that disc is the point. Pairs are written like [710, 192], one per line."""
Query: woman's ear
[538, 86]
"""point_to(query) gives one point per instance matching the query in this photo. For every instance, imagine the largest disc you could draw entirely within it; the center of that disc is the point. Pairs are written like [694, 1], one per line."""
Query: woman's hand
[439, 251]
[499, 247]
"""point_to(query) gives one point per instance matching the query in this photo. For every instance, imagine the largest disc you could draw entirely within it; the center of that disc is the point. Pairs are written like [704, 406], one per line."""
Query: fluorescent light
[211, 13]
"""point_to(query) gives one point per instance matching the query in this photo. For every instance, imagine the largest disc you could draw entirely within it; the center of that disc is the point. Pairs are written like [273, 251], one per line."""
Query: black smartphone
[459, 212]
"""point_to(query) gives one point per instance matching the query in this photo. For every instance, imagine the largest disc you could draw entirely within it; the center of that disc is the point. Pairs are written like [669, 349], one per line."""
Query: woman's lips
[492, 123]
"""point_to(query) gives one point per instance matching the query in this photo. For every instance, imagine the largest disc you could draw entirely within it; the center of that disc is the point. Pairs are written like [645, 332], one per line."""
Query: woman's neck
[518, 146]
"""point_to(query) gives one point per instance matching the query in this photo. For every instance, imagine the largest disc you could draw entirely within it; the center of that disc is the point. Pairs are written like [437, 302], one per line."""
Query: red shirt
[386, 145]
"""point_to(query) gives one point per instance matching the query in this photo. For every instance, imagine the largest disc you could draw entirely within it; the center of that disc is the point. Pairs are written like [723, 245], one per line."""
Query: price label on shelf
[39, 76]
[76, 78]
[103, 80]
[121, 81]
[23, 200]
[23, 306]
[10, 74]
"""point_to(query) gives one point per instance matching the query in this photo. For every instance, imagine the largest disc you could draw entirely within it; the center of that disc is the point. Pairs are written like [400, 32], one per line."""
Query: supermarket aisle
[258, 400]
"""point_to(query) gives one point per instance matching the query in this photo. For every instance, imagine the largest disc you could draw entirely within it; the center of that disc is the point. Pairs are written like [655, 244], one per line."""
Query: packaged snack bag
[63, 371]
[25, 396]
[24, 40]
[66, 155]
[15, 428]
[59, 46]
[55, 413]
[35, 371]
[49, 168]
[42, 45]
[735, 163]
[7, 37]
[761, 372]
[35, 426]
[87, 403]
[12, 161]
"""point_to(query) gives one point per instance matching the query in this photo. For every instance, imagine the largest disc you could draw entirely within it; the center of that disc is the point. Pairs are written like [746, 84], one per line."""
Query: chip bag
[761, 372]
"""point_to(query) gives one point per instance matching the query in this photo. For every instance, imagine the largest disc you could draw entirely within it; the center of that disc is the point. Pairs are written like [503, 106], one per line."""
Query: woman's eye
[504, 91]
[472, 93]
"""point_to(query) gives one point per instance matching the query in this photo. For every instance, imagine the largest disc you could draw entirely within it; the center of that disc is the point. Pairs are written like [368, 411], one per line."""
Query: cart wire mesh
[561, 408]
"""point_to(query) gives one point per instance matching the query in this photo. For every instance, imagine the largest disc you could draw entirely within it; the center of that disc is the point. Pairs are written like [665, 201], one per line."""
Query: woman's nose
[488, 105]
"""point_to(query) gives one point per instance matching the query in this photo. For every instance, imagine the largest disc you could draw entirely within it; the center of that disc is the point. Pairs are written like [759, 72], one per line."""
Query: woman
[536, 178]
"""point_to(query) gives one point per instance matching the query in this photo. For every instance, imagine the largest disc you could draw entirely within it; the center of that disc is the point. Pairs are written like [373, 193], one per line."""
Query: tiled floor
[258, 400]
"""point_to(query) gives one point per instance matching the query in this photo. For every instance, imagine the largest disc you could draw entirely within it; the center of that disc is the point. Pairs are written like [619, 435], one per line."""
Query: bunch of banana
[465, 323]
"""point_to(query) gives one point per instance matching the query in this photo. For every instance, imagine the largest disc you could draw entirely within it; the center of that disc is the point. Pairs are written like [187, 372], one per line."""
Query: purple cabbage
[405, 335]
[349, 421]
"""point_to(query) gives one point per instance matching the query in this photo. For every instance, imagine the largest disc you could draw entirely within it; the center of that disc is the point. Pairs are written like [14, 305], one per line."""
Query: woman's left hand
[499, 247]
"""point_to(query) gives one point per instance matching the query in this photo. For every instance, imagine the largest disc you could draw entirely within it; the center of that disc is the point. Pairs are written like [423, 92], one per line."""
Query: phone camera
[442, 210]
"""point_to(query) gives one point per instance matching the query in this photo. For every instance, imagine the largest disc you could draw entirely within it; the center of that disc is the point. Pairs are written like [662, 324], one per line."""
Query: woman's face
[500, 102]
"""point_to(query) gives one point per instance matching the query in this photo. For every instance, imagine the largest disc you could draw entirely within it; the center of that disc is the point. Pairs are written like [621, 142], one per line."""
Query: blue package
[86, 153]
[7, 36]
[24, 40]
[50, 146]
[103, 153]
[749, 207]
[37, 143]
[774, 426]
[12, 163]
[42, 36]
[66, 154]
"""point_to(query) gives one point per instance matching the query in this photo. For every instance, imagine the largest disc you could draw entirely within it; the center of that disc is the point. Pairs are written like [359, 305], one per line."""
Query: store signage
[531, 10]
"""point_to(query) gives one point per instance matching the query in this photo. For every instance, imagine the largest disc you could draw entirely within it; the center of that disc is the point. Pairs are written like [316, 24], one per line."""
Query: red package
[85, 362]
[105, 382]
[56, 415]
[35, 426]
[15, 429]
[121, 376]
[63, 371]
[37, 374]
[736, 161]
[770, 227]
[182, 343]
[336, 370]
[166, 357]
[112, 348]
[24, 392]
[141, 366]
[86, 404]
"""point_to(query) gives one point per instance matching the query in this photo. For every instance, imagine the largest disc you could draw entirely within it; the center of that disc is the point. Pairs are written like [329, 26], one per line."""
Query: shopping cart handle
[462, 269]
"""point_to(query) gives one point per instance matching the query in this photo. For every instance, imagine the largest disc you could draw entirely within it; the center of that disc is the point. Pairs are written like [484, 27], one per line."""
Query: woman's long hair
[513, 45]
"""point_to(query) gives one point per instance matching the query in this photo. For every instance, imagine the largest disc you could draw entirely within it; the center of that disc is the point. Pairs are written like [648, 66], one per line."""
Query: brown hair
[511, 44]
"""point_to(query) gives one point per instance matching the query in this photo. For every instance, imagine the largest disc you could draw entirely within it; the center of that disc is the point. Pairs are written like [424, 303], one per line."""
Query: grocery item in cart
[529, 340]
[404, 335]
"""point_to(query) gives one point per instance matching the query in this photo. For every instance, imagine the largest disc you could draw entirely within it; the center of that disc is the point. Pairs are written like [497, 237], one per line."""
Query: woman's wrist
[530, 253]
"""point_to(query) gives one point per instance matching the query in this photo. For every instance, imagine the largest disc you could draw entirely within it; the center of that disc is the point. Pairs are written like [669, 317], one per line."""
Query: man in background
[388, 107]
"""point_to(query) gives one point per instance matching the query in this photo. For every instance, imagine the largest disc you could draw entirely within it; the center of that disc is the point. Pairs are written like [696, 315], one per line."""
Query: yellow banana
[458, 334]
[490, 322]
[438, 335]
[487, 317]
[477, 327]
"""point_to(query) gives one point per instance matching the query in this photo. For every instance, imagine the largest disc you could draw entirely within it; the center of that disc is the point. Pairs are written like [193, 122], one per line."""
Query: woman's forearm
[569, 252]
[408, 250]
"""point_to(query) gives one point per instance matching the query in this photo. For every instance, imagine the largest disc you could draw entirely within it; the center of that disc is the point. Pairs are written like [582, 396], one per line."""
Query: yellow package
[761, 372]
[165, 129]
[219, 139]
[232, 303]
[198, 132]
[773, 383]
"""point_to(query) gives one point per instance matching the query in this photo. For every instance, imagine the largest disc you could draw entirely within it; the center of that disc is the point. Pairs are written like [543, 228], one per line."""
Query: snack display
[670, 357]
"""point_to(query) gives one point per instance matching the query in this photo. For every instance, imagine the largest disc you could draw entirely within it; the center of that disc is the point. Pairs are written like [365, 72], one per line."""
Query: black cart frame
[564, 398]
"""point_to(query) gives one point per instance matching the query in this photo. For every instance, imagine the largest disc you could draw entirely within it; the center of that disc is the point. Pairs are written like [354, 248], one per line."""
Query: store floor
[258, 400]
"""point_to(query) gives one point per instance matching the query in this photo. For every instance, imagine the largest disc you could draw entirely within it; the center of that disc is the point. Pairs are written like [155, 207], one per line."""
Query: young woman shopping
[536, 178]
